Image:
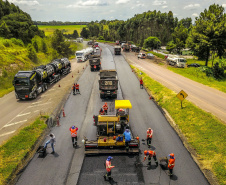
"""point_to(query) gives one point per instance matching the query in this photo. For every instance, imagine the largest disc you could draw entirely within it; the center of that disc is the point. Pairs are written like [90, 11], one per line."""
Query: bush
[101, 38]
[7, 43]
[218, 72]
[17, 42]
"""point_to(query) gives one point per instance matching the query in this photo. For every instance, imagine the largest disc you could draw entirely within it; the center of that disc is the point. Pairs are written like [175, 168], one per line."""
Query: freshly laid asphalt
[69, 165]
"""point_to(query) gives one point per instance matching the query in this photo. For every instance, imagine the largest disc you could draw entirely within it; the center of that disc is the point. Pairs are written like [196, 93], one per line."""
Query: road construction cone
[132, 70]
[72, 75]
[83, 67]
[150, 98]
[63, 113]
[58, 122]
[78, 71]
[59, 85]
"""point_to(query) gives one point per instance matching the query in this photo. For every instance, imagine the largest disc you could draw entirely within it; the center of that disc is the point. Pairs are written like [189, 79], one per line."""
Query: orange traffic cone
[78, 71]
[150, 98]
[72, 75]
[63, 113]
[83, 67]
[58, 122]
[132, 70]
[59, 85]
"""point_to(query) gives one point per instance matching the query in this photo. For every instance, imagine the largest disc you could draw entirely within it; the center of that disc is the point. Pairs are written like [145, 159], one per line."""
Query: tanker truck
[28, 84]
[84, 54]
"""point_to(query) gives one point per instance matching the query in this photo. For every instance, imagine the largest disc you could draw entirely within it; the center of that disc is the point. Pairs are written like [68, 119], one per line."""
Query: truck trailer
[117, 50]
[176, 61]
[95, 62]
[83, 55]
[28, 84]
[108, 83]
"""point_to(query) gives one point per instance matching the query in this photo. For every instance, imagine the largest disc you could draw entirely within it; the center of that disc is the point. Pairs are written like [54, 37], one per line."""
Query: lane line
[7, 133]
[39, 105]
[23, 114]
[15, 123]
[36, 102]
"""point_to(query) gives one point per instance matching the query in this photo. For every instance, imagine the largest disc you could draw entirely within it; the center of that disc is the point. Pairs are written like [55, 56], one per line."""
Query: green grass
[204, 132]
[157, 54]
[13, 152]
[67, 29]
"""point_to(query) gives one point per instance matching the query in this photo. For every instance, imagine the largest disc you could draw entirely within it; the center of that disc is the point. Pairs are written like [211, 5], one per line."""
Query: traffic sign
[182, 95]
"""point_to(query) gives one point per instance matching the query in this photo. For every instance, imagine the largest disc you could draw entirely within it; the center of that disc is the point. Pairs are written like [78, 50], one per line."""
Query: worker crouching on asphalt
[108, 168]
[149, 137]
[101, 112]
[150, 154]
[171, 163]
[127, 136]
[73, 130]
[105, 107]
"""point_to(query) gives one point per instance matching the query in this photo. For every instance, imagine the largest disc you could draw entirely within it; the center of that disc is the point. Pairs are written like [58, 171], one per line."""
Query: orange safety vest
[108, 166]
[151, 153]
[73, 132]
[105, 107]
[149, 133]
[171, 163]
[77, 86]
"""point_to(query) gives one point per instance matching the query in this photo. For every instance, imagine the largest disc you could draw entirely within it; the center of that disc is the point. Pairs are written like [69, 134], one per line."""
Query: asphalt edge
[211, 178]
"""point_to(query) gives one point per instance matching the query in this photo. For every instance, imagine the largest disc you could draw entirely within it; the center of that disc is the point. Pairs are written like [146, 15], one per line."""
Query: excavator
[110, 129]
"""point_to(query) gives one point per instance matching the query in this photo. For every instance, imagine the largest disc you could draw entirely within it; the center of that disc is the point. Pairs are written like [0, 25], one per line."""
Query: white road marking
[8, 125]
[7, 133]
[36, 110]
[23, 114]
[39, 105]
[36, 102]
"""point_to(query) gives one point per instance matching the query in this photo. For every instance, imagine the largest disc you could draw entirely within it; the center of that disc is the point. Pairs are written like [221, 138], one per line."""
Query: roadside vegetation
[65, 29]
[16, 149]
[204, 132]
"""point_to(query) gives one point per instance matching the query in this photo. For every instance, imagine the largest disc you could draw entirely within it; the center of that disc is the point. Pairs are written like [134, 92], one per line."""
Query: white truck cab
[79, 40]
[176, 60]
[83, 55]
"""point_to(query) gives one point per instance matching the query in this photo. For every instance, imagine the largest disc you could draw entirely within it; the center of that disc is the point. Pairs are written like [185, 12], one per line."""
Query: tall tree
[209, 32]
[152, 42]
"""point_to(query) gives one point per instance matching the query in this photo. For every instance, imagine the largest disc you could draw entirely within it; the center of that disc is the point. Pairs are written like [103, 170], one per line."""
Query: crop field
[66, 29]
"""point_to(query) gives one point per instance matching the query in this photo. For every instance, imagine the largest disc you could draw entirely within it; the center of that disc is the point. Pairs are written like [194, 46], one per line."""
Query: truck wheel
[115, 96]
[101, 96]
[46, 86]
[35, 95]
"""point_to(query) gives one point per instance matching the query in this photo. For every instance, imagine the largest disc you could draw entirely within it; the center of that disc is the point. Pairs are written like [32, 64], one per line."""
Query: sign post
[182, 95]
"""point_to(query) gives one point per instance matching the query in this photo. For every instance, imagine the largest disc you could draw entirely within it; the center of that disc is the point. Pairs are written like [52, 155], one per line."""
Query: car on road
[141, 55]
[150, 56]
[193, 65]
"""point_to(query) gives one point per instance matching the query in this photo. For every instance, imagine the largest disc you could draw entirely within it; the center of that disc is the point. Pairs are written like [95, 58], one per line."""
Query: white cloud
[88, 4]
[29, 3]
[140, 5]
[158, 3]
[164, 7]
[195, 14]
[121, 1]
[224, 5]
[192, 6]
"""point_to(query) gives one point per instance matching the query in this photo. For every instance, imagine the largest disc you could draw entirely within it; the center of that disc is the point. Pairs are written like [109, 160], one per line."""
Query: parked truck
[28, 84]
[95, 62]
[117, 50]
[126, 47]
[79, 40]
[108, 83]
[176, 60]
[84, 54]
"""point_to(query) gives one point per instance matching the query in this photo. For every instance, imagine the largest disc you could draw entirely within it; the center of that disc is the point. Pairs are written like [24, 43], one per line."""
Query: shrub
[7, 42]
[17, 42]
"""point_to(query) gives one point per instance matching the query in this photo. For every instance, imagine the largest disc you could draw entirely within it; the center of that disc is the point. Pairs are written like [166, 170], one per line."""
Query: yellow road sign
[182, 95]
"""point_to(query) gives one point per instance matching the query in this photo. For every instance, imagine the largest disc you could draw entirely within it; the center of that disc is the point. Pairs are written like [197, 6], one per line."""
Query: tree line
[152, 29]
[54, 23]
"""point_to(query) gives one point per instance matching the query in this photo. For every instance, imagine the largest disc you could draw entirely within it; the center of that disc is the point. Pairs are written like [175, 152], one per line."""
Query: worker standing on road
[171, 163]
[73, 88]
[105, 107]
[141, 83]
[149, 137]
[108, 168]
[73, 130]
[150, 154]
[127, 138]
[52, 140]
[77, 88]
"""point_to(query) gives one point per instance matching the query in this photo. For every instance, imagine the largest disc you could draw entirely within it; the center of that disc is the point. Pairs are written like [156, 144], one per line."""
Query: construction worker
[171, 163]
[127, 138]
[52, 141]
[73, 130]
[101, 112]
[141, 83]
[77, 88]
[150, 154]
[73, 88]
[149, 137]
[105, 107]
[108, 168]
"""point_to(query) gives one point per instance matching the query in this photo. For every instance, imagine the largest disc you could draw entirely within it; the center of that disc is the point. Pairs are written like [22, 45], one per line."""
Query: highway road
[207, 98]
[69, 166]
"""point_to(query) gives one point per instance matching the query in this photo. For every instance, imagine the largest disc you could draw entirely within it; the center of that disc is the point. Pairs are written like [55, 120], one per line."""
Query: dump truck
[95, 62]
[28, 84]
[110, 129]
[117, 50]
[108, 83]
[126, 47]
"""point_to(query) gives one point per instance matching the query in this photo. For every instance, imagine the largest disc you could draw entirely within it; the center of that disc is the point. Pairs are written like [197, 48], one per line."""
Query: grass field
[204, 132]
[67, 29]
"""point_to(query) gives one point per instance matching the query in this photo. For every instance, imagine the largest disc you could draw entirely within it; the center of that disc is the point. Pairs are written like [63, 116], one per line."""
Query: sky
[92, 10]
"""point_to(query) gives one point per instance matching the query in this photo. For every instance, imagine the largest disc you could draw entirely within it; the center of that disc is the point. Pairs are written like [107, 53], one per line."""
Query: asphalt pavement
[69, 165]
